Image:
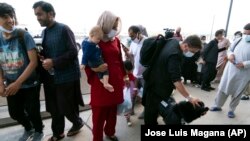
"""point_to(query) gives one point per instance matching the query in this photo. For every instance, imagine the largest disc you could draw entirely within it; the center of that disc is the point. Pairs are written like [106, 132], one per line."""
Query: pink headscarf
[106, 21]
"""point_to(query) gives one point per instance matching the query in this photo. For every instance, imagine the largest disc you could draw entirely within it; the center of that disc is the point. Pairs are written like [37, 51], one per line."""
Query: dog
[182, 112]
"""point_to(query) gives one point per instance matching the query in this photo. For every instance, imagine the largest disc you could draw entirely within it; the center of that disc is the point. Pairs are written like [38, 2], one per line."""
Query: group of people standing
[24, 69]
[56, 66]
[58, 70]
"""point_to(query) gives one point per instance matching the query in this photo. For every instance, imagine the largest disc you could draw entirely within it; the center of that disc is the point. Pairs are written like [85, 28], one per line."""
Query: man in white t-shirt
[134, 52]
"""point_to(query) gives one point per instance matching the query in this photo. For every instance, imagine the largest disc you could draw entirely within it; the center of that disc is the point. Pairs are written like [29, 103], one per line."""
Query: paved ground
[126, 133]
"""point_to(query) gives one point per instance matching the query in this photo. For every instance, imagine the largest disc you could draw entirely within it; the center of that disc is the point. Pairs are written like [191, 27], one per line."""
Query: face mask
[247, 38]
[6, 30]
[188, 54]
[112, 34]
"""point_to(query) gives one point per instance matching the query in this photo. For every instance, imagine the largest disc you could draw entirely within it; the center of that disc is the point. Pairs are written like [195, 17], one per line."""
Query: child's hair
[96, 31]
[128, 65]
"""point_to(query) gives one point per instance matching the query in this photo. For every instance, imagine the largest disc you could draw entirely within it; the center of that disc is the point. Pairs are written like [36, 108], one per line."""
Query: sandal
[112, 138]
[56, 138]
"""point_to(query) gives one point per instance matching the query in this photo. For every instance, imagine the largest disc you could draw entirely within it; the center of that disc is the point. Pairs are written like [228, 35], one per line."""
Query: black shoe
[75, 129]
[205, 89]
[211, 88]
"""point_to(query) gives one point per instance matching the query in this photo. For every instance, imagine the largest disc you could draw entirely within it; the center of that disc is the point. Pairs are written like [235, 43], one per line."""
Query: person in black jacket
[189, 67]
[165, 75]
[210, 57]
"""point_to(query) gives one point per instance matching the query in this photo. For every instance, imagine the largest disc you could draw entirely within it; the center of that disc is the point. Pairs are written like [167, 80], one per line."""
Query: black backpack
[150, 49]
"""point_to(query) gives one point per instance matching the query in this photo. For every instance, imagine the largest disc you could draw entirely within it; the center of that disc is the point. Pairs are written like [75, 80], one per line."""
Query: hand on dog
[195, 101]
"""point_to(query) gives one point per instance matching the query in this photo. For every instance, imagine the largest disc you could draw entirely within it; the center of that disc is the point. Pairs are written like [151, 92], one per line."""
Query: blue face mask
[6, 30]
[188, 54]
[247, 38]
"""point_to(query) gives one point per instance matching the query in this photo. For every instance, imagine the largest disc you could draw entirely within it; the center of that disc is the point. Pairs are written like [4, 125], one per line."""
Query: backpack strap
[158, 49]
[20, 36]
[236, 44]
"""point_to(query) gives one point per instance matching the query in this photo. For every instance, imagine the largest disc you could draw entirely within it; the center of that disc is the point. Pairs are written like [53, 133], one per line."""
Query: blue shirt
[14, 57]
[91, 53]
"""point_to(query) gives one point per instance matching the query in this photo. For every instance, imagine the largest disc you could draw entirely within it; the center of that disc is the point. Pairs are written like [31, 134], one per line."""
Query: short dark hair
[247, 26]
[193, 41]
[134, 29]
[128, 65]
[219, 32]
[6, 9]
[238, 33]
[47, 7]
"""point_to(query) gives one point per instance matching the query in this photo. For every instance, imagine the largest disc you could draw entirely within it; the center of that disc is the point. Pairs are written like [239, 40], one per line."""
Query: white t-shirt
[135, 51]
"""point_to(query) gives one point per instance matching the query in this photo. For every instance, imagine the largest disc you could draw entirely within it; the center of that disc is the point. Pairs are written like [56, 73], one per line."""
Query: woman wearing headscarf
[222, 58]
[104, 103]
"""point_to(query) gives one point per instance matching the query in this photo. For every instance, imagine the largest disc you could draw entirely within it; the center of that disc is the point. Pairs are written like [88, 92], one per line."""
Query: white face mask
[188, 54]
[112, 34]
[6, 30]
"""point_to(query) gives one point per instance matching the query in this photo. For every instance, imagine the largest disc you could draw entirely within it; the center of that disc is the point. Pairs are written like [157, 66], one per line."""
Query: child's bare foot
[109, 87]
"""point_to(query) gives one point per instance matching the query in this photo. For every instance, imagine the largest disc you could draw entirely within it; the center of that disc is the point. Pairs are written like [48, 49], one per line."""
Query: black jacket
[165, 71]
[210, 53]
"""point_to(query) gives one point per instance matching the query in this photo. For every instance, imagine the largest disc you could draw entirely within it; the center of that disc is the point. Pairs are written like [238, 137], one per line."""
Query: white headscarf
[106, 21]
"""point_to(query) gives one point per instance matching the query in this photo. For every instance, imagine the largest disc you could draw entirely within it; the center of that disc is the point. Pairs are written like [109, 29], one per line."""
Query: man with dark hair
[134, 52]
[237, 34]
[60, 72]
[210, 57]
[235, 78]
[18, 78]
[165, 75]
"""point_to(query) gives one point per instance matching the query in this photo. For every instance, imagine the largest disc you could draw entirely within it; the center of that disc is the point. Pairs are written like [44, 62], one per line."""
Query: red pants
[104, 118]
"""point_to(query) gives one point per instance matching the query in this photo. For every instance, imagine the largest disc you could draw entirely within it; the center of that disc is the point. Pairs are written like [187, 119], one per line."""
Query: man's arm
[174, 69]
[71, 53]
[1, 84]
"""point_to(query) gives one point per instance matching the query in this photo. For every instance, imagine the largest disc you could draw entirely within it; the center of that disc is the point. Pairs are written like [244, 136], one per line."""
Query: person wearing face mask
[189, 66]
[210, 57]
[134, 53]
[235, 78]
[104, 103]
[18, 81]
[165, 75]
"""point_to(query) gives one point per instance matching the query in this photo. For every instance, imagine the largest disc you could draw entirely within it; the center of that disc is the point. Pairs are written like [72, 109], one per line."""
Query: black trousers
[61, 101]
[24, 107]
[208, 74]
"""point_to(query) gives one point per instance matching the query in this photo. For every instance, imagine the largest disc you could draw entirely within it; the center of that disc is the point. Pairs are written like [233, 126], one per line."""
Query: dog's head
[188, 112]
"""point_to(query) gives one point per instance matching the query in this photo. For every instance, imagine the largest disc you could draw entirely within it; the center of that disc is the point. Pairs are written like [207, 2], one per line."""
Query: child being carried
[92, 55]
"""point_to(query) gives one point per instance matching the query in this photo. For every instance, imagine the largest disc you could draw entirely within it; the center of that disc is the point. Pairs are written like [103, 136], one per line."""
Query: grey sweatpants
[221, 98]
